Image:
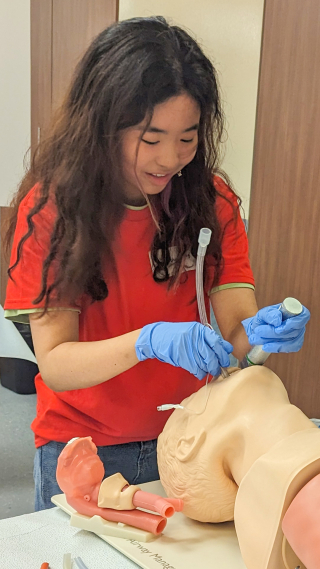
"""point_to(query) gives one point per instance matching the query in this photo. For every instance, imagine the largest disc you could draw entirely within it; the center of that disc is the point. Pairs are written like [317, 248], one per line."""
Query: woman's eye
[148, 141]
[187, 141]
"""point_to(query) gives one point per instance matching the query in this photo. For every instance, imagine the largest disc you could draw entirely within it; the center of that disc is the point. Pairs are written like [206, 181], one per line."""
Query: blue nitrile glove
[190, 345]
[266, 328]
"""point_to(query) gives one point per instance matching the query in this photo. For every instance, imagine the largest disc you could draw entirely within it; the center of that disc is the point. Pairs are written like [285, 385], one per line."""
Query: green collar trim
[136, 207]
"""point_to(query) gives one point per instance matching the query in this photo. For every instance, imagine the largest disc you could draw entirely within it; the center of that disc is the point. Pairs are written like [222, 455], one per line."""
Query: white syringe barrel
[289, 308]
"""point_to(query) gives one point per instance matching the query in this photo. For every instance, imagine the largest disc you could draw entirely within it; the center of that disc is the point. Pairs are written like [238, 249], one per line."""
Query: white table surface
[29, 540]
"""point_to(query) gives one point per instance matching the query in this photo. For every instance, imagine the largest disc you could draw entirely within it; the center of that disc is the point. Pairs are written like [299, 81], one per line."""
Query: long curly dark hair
[129, 68]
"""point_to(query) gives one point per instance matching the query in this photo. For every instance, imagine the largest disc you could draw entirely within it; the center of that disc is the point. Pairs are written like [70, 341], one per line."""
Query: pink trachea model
[80, 475]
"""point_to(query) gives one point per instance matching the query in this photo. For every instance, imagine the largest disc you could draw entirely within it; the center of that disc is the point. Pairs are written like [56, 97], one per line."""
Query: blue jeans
[137, 462]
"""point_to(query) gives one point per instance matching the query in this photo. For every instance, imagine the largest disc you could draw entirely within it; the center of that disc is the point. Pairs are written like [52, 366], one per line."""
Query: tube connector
[168, 407]
[203, 240]
[204, 237]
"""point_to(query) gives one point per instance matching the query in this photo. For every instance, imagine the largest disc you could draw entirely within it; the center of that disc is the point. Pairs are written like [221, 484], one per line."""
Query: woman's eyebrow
[159, 130]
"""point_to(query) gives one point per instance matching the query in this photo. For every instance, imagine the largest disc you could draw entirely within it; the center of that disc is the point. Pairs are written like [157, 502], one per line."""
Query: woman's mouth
[159, 179]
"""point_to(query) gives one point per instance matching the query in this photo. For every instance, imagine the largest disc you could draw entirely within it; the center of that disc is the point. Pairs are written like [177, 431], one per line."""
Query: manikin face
[168, 145]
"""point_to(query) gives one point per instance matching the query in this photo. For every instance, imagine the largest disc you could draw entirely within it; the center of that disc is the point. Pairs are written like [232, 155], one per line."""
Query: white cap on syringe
[291, 307]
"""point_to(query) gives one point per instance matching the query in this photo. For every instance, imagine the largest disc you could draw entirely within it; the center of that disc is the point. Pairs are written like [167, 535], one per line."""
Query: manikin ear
[188, 447]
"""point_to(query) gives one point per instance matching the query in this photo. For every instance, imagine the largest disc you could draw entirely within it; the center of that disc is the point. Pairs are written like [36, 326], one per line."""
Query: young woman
[105, 227]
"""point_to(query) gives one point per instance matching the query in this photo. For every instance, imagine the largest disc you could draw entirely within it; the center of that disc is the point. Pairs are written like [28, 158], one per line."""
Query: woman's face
[168, 145]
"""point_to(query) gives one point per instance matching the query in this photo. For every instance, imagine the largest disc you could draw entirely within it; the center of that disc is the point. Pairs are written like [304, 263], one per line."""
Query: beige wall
[14, 93]
[230, 34]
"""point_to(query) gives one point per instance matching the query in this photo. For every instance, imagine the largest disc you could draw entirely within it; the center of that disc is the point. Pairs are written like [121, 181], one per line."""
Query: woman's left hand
[275, 335]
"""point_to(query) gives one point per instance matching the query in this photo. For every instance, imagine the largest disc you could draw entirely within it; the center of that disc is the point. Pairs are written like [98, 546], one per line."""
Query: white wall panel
[14, 93]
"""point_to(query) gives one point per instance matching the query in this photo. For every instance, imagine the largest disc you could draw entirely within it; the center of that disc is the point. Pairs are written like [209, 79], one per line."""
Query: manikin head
[184, 461]
[203, 456]
[80, 470]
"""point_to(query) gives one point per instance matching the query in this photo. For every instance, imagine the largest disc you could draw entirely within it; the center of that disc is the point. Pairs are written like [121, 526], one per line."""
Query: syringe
[257, 356]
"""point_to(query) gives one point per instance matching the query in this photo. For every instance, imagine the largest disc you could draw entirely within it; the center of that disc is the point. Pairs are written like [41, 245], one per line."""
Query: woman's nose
[169, 160]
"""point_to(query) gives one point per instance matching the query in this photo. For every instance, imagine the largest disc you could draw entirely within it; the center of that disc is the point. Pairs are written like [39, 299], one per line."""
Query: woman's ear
[188, 447]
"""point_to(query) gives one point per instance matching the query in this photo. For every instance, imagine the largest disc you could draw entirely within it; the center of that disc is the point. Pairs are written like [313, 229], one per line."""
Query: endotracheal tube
[203, 242]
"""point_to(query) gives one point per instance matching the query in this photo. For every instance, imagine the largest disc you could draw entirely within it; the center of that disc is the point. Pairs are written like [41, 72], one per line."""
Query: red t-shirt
[123, 409]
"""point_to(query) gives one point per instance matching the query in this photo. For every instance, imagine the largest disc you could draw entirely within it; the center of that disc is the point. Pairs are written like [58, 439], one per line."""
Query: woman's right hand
[189, 345]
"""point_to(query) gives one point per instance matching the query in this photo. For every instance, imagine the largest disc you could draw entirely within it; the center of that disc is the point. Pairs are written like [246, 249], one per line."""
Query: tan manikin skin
[245, 457]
